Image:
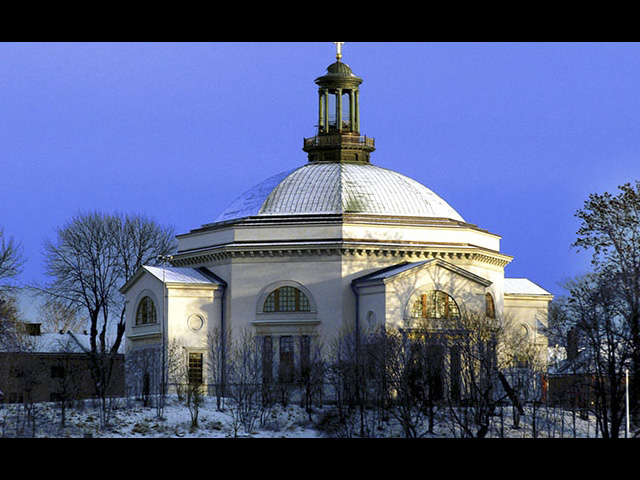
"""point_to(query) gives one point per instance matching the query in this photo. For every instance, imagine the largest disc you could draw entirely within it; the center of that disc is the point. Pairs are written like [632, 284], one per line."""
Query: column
[356, 127]
[320, 110]
[339, 109]
[352, 117]
[325, 95]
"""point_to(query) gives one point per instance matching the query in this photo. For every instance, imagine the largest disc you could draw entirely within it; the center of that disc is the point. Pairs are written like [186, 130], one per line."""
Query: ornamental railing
[337, 140]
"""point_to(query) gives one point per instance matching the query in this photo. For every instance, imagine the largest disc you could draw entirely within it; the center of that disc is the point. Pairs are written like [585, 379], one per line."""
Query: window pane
[270, 302]
[304, 303]
[146, 312]
[195, 368]
[435, 304]
[286, 299]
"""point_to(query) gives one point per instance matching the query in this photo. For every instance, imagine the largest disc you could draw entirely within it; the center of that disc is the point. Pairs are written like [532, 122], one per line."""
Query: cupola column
[339, 109]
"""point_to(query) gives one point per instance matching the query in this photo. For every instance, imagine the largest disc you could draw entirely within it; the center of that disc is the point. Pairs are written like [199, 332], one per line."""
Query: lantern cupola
[338, 137]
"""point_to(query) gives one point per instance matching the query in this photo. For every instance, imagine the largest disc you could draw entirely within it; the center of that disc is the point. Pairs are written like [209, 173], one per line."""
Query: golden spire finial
[339, 49]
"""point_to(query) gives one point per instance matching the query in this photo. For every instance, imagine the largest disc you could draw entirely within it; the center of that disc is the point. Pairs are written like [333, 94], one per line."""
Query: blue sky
[514, 136]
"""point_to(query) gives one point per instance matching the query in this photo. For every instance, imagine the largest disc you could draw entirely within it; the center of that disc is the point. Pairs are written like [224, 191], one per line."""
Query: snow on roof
[522, 286]
[249, 203]
[336, 188]
[182, 275]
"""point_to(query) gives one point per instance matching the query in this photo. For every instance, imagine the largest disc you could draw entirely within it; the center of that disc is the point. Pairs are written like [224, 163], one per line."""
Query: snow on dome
[337, 188]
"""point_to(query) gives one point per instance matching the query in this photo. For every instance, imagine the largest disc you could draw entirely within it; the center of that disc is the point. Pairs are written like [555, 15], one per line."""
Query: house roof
[176, 275]
[67, 342]
[522, 286]
[184, 275]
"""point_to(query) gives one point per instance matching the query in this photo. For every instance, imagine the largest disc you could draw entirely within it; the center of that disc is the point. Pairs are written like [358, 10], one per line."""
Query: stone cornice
[401, 251]
[338, 219]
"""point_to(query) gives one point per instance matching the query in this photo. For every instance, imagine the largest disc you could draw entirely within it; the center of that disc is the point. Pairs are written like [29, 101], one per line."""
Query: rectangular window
[305, 356]
[267, 359]
[456, 374]
[195, 368]
[57, 371]
[286, 359]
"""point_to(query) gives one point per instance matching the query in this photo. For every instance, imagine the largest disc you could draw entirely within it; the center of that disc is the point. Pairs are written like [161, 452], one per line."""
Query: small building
[50, 367]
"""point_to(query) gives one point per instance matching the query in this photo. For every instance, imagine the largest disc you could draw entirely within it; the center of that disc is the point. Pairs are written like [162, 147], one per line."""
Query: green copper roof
[338, 72]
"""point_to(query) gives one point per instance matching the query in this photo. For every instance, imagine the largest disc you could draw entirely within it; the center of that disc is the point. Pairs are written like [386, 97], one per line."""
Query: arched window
[286, 299]
[146, 312]
[435, 304]
[490, 306]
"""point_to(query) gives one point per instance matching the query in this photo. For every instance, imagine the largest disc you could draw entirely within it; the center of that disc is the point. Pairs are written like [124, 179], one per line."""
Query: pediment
[394, 272]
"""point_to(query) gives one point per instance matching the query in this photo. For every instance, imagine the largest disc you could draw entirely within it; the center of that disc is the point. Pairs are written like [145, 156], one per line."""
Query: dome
[339, 188]
[340, 69]
[338, 74]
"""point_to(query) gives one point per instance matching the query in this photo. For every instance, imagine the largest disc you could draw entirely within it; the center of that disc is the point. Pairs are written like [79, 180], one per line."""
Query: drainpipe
[223, 340]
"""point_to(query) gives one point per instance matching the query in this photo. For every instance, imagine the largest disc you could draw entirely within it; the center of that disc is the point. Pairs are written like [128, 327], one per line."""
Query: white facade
[360, 243]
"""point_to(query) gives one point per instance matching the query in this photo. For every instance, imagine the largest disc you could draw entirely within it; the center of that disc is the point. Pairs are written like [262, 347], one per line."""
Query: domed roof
[339, 68]
[337, 188]
[338, 74]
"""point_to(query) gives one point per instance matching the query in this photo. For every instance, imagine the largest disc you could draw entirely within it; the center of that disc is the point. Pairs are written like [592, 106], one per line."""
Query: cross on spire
[339, 49]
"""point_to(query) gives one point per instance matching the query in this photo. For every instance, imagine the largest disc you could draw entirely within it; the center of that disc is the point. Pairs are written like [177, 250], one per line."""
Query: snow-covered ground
[129, 419]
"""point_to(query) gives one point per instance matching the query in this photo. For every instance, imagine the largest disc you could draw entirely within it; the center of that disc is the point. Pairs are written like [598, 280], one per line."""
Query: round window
[371, 318]
[195, 322]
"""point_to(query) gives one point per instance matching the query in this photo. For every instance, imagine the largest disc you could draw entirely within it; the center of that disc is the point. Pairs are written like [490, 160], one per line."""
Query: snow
[522, 286]
[130, 419]
[180, 275]
[336, 188]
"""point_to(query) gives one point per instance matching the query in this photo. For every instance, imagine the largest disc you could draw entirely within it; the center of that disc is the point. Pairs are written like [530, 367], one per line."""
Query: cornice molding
[337, 219]
[226, 253]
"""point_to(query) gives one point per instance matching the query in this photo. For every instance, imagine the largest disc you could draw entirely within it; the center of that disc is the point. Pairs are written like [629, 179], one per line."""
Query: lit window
[435, 304]
[287, 299]
[146, 312]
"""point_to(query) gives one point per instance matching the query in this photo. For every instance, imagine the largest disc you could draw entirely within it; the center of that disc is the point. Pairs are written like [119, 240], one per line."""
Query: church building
[335, 245]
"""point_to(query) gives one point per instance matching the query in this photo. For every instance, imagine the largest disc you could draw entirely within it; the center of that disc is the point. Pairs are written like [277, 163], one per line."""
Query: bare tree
[217, 347]
[594, 307]
[11, 259]
[245, 380]
[91, 257]
[478, 345]
[67, 384]
[11, 262]
[61, 317]
[9, 333]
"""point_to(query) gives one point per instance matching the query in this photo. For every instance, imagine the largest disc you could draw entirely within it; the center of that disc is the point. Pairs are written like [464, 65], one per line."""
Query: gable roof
[176, 275]
[183, 275]
[387, 273]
